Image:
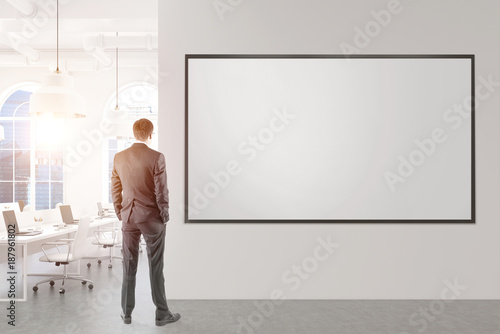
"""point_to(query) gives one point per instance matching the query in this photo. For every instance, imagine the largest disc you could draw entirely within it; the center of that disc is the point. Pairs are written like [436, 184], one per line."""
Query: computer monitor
[9, 217]
[67, 215]
[103, 213]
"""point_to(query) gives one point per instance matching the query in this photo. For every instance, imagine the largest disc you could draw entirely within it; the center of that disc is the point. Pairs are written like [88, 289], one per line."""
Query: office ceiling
[28, 30]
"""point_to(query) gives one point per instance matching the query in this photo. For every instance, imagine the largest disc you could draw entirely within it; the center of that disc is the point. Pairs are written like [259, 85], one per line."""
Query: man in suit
[140, 197]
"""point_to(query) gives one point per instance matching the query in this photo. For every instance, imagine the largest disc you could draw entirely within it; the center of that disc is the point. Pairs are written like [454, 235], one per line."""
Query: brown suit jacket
[139, 172]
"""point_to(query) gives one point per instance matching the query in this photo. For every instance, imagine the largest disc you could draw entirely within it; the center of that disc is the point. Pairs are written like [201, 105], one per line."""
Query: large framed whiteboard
[325, 138]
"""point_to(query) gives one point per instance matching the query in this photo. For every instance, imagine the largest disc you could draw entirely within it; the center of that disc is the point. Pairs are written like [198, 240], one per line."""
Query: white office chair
[104, 239]
[76, 248]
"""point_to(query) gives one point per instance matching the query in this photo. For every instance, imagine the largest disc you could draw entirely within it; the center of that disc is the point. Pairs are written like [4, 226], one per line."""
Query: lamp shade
[58, 98]
[120, 124]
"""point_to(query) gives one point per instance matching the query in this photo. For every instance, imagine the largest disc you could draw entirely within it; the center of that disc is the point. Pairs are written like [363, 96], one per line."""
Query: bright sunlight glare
[50, 131]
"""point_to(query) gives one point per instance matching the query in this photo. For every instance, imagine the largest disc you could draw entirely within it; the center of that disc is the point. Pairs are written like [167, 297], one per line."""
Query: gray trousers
[154, 235]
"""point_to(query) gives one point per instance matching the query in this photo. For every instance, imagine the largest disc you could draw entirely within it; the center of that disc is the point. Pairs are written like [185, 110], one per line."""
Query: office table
[48, 232]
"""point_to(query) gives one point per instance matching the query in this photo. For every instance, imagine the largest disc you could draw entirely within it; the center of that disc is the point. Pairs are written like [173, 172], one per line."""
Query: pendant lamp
[118, 118]
[57, 96]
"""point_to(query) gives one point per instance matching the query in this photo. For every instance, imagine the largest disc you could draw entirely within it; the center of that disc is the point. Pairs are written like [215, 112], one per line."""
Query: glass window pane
[6, 165]
[6, 144]
[23, 110]
[15, 101]
[42, 165]
[7, 109]
[22, 169]
[22, 134]
[146, 106]
[110, 199]
[112, 144]
[56, 195]
[42, 195]
[6, 192]
[123, 144]
[111, 157]
[56, 165]
[22, 192]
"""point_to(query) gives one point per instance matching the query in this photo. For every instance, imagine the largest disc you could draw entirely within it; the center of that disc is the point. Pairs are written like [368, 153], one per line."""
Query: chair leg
[55, 278]
[65, 274]
[80, 278]
[64, 277]
[91, 259]
[98, 258]
[108, 257]
[111, 257]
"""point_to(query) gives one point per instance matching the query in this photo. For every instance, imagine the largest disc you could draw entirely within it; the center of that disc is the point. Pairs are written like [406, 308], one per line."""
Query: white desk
[49, 232]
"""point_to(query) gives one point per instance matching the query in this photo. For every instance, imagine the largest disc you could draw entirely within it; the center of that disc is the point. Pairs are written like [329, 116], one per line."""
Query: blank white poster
[329, 139]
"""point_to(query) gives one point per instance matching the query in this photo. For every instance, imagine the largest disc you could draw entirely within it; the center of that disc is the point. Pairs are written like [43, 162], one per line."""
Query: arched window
[140, 100]
[30, 164]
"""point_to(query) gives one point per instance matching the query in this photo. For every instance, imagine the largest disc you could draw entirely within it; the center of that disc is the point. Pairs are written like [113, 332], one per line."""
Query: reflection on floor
[98, 311]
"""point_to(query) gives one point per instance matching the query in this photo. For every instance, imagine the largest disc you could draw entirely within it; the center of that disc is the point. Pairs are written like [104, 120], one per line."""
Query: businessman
[140, 197]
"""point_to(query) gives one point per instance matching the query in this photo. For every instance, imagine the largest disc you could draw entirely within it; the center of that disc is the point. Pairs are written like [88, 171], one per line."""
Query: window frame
[111, 102]
[4, 96]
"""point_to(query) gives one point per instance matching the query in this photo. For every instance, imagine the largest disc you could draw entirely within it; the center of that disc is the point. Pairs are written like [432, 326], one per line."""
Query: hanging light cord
[116, 107]
[57, 49]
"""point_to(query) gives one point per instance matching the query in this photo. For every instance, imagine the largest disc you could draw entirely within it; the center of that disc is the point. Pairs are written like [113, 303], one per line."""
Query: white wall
[379, 261]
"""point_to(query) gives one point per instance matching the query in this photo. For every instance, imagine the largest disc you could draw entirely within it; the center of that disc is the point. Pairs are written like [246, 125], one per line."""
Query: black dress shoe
[126, 320]
[172, 317]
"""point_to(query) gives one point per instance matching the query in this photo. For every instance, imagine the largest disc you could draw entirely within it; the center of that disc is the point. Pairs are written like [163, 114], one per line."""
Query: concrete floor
[98, 311]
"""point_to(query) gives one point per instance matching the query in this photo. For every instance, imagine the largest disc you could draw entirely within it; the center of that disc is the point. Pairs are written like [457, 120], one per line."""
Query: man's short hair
[143, 128]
